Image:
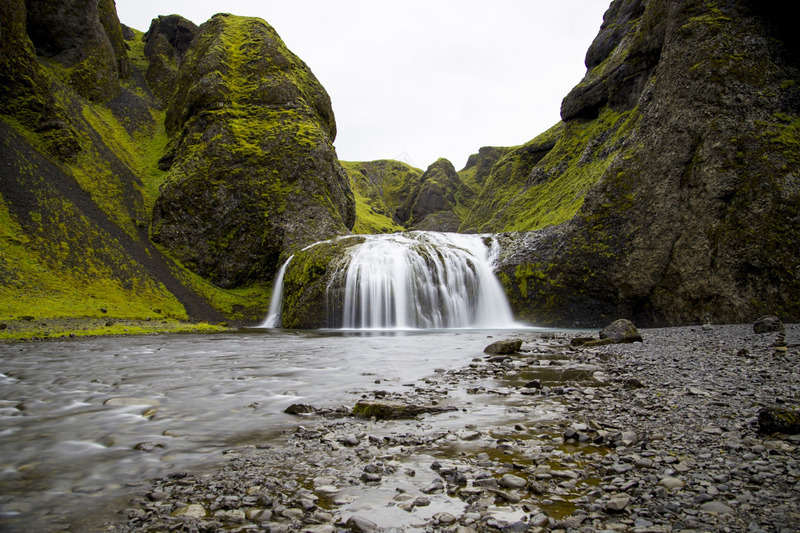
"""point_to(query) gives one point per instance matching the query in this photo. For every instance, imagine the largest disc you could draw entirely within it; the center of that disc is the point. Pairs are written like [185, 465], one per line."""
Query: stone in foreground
[767, 324]
[389, 410]
[778, 420]
[621, 330]
[504, 347]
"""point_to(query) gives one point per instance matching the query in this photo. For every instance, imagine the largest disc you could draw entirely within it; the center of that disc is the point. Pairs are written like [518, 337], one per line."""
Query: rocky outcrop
[307, 300]
[431, 205]
[166, 42]
[692, 214]
[380, 187]
[253, 174]
[73, 34]
[26, 87]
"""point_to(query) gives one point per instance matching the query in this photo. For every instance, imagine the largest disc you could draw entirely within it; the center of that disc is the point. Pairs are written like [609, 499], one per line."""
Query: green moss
[47, 328]
[380, 188]
[524, 193]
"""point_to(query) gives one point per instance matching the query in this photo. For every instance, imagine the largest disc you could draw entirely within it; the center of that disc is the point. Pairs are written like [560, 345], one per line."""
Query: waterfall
[413, 280]
[423, 280]
[273, 319]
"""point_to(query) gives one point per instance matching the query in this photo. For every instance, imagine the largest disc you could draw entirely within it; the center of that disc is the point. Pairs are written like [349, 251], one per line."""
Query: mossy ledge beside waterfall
[412, 280]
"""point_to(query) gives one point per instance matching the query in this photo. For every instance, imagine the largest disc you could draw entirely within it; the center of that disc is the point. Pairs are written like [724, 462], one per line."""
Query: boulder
[361, 524]
[621, 330]
[390, 410]
[779, 420]
[300, 409]
[504, 347]
[767, 324]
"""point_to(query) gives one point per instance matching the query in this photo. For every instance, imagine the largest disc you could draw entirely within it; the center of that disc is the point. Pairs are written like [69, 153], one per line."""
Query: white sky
[417, 80]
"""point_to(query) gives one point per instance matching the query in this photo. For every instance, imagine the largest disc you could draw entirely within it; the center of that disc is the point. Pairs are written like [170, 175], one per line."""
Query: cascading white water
[273, 319]
[413, 280]
[423, 280]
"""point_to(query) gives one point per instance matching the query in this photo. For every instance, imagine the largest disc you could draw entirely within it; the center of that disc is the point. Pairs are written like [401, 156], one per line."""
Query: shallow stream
[81, 420]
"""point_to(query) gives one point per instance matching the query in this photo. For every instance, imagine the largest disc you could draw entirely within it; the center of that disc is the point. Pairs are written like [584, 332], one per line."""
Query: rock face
[307, 302]
[72, 33]
[430, 205]
[253, 173]
[695, 208]
[26, 88]
[166, 42]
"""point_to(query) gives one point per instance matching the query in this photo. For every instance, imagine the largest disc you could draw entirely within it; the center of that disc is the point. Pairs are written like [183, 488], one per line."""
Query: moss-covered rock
[393, 410]
[307, 299]
[26, 86]
[166, 42]
[689, 203]
[253, 174]
[71, 32]
[431, 204]
[380, 188]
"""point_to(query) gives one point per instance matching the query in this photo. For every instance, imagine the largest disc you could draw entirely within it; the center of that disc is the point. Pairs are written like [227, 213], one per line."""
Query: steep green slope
[379, 188]
[78, 183]
[544, 181]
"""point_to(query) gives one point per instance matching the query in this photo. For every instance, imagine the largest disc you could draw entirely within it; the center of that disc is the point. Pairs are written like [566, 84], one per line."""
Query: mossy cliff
[681, 149]
[80, 139]
[253, 175]
[380, 187]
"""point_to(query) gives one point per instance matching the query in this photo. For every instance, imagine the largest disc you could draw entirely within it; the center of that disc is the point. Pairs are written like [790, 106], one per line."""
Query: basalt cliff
[169, 173]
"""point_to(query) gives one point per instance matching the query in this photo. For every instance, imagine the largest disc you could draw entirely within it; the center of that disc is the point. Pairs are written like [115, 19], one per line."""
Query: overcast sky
[417, 80]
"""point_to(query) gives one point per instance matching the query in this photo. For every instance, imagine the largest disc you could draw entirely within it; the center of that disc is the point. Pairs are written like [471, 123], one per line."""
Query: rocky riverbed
[653, 436]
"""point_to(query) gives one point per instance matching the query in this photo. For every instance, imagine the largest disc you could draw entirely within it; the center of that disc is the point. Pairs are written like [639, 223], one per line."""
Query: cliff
[252, 170]
[686, 205]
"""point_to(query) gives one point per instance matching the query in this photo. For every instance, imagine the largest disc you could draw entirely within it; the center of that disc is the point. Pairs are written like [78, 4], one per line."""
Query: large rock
[620, 331]
[504, 347]
[767, 324]
[253, 173]
[166, 42]
[71, 32]
[430, 205]
[311, 296]
[683, 135]
[391, 410]
[779, 420]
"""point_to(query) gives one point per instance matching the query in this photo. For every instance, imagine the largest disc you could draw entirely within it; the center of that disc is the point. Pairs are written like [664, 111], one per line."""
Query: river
[74, 412]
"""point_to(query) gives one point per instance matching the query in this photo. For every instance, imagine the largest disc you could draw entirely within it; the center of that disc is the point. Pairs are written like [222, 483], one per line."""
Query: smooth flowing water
[414, 280]
[74, 412]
